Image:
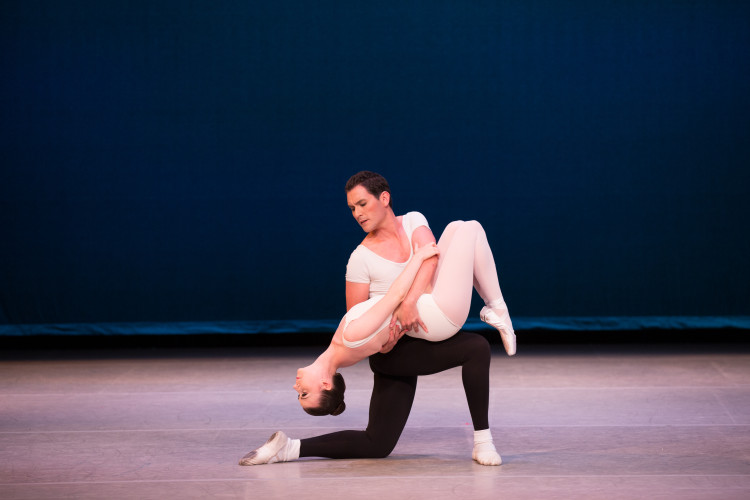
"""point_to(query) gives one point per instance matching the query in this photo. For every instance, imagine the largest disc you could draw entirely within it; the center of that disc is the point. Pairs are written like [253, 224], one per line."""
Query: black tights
[395, 376]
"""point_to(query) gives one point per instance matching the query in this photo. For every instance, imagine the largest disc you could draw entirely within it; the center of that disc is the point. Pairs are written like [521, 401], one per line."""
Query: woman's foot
[278, 448]
[503, 325]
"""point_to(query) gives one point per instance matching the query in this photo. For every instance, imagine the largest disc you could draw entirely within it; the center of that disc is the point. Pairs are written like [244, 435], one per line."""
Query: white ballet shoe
[271, 452]
[503, 325]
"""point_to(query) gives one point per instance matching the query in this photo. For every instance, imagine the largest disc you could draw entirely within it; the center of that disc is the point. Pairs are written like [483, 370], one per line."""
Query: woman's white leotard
[439, 326]
[354, 313]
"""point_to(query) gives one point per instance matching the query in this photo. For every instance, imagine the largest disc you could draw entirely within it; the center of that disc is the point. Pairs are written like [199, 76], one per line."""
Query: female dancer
[465, 262]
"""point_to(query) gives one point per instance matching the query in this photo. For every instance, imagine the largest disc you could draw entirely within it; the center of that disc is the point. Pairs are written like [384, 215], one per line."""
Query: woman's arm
[401, 285]
[406, 313]
[372, 319]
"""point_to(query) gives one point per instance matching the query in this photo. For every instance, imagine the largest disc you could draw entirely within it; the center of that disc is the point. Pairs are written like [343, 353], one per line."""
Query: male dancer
[390, 241]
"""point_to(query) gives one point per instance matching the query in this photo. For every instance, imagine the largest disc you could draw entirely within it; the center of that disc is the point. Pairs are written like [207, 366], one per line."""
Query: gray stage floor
[579, 422]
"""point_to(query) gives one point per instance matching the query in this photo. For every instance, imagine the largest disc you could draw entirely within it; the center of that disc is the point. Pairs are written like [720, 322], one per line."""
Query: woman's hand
[427, 251]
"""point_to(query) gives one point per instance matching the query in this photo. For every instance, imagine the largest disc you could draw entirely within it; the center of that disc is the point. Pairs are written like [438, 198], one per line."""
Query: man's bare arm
[356, 293]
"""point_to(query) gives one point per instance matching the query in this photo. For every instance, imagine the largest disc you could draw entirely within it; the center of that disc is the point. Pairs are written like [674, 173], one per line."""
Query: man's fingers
[395, 328]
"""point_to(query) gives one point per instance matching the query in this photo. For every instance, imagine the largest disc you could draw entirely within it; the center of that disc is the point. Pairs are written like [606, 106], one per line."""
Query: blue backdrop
[182, 163]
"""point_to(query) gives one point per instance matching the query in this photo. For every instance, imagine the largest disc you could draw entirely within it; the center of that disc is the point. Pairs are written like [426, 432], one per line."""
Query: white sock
[287, 453]
[484, 450]
[293, 449]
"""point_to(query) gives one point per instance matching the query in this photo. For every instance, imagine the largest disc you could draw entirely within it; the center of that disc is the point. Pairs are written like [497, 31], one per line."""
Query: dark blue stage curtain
[178, 166]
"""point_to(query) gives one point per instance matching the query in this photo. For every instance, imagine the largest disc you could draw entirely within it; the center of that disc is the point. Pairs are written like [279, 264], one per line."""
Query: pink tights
[465, 262]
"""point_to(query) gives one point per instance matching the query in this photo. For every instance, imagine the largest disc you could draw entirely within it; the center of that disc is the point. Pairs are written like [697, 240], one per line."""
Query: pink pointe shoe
[503, 325]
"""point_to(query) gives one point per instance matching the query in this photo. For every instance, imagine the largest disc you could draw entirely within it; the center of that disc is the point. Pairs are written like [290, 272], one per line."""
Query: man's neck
[389, 228]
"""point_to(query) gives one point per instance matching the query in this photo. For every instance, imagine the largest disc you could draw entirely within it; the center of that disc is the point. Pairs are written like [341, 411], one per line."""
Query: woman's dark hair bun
[331, 400]
[339, 409]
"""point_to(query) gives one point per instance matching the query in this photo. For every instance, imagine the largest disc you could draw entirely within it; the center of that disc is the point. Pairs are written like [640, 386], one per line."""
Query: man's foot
[278, 448]
[503, 325]
[486, 454]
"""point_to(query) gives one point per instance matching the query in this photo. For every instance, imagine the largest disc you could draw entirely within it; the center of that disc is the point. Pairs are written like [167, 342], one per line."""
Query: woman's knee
[453, 226]
[475, 226]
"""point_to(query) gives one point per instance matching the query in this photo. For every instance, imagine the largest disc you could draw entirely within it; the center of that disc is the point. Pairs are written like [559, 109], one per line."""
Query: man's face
[367, 209]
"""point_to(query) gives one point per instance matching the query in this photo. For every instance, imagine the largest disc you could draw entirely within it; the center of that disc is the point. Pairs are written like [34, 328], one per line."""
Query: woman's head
[331, 401]
[375, 184]
[320, 394]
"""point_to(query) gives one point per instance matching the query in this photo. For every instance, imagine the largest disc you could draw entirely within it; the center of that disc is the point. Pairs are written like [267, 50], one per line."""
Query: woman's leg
[466, 262]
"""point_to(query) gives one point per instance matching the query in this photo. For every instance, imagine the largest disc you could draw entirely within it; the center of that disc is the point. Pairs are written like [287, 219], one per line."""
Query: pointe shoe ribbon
[503, 325]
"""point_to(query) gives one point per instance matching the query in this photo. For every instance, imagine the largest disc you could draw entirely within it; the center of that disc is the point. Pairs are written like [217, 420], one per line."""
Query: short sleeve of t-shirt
[412, 221]
[356, 268]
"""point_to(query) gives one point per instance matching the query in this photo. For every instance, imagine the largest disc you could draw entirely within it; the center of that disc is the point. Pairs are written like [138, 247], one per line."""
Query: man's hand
[407, 315]
[393, 337]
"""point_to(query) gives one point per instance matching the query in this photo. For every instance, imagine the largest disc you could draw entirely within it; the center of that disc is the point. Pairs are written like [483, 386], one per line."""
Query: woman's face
[308, 386]
[367, 209]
